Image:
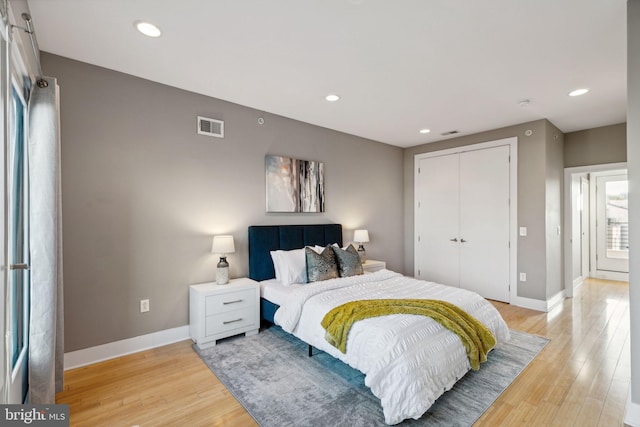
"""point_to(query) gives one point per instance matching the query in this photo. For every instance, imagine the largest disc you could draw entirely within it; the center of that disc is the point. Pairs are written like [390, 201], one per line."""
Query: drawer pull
[232, 302]
[231, 321]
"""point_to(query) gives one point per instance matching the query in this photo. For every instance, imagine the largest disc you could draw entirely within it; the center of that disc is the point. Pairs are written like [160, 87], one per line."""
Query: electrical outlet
[144, 305]
[523, 277]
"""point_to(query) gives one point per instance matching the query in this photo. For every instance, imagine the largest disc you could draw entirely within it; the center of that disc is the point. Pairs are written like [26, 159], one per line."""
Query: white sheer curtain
[46, 340]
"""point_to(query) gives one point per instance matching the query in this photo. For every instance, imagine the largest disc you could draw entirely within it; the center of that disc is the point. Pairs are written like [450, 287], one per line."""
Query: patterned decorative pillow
[321, 266]
[348, 261]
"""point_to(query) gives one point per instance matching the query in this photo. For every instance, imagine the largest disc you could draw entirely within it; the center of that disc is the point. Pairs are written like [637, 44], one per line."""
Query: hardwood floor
[581, 378]
[167, 386]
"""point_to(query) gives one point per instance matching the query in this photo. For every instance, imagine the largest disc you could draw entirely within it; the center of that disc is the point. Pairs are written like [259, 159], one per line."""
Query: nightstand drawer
[229, 301]
[226, 322]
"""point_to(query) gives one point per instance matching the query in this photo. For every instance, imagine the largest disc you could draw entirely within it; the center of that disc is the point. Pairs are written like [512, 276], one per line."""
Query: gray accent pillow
[321, 266]
[348, 261]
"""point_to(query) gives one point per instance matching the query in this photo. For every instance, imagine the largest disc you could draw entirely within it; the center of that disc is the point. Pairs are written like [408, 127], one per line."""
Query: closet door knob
[462, 241]
[455, 239]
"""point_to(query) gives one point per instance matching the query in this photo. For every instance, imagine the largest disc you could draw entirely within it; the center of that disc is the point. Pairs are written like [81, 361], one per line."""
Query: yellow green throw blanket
[476, 338]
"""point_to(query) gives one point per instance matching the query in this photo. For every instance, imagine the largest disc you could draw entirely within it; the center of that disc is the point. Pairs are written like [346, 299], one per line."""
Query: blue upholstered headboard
[266, 238]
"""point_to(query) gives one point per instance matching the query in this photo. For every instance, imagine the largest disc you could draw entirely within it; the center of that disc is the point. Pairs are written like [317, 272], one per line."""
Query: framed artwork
[294, 185]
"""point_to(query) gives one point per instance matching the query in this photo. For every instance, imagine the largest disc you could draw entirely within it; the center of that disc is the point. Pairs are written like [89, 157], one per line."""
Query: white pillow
[275, 257]
[319, 249]
[290, 266]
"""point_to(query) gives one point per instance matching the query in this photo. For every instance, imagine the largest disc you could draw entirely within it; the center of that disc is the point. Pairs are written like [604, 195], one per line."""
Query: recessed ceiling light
[425, 130]
[332, 97]
[578, 92]
[148, 29]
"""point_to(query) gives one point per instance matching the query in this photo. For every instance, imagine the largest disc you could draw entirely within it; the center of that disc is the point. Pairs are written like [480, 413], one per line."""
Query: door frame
[512, 142]
[568, 223]
[585, 222]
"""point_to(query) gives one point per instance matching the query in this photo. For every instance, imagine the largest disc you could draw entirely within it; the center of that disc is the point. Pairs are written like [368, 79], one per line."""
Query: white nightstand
[220, 311]
[371, 265]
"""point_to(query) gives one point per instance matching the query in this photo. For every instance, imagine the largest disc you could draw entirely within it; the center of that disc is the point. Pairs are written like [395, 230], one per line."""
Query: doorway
[581, 217]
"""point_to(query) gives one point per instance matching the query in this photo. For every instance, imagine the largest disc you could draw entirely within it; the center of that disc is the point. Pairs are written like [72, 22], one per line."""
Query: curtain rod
[40, 81]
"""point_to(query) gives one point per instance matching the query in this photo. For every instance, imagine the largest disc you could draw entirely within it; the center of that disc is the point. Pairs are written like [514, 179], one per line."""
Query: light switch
[523, 277]
[523, 231]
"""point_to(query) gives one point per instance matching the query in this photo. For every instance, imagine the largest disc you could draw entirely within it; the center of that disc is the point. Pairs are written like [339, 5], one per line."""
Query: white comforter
[408, 360]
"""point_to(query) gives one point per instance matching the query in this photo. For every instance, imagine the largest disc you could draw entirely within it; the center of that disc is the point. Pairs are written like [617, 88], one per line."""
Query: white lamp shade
[223, 245]
[361, 236]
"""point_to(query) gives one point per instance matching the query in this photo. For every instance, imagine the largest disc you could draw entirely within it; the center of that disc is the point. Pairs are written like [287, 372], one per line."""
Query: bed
[408, 360]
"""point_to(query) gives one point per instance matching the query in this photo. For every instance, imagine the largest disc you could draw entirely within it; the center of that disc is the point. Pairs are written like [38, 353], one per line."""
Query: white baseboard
[88, 356]
[530, 303]
[540, 305]
[632, 415]
[578, 281]
[555, 300]
[612, 275]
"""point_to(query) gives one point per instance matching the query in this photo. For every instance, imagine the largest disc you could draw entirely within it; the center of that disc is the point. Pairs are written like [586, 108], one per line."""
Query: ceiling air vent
[451, 132]
[210, 127]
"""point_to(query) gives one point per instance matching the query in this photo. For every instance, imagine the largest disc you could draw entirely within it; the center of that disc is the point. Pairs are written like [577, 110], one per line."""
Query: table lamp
[223, 245]
[360, 237]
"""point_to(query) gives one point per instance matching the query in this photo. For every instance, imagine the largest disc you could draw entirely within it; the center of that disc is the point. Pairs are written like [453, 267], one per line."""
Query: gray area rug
[279, 385]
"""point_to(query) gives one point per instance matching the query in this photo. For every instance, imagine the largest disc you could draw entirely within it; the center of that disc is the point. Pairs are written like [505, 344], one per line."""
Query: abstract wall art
[294, 185]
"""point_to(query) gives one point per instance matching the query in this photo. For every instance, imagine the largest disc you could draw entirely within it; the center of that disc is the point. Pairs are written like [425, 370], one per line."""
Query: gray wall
[143, 195]
[633, 164]
[554, 184]
[606, 144]
[534, 182]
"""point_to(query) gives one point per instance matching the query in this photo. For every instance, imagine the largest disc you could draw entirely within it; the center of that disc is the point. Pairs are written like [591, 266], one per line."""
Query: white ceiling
[399, 66]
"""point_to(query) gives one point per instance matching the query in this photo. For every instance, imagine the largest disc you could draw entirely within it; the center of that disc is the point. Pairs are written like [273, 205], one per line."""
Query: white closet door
[484, 222]
[437, 220]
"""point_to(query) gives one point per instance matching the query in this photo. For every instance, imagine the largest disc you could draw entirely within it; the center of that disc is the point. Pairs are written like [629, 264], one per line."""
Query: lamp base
[222, 273]
[362, 253]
